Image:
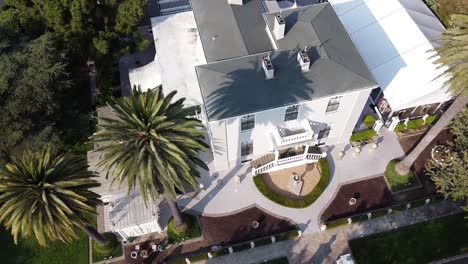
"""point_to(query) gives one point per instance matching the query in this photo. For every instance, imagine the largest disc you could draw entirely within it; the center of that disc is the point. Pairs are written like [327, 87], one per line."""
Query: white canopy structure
[395, 37]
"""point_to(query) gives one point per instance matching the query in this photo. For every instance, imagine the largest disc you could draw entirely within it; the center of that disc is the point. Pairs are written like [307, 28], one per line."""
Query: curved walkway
[228, 197]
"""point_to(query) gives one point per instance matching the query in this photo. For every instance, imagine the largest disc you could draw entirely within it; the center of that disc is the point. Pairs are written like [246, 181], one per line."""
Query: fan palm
[452, 54]
[152, 144]
[45, 195]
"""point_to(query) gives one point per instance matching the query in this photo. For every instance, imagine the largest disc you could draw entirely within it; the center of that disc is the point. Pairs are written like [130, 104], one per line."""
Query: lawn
[399, 182]
[420, 243]
[29, 252]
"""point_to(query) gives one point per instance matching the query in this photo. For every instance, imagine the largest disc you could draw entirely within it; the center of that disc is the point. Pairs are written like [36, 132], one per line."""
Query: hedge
[287, 235]
[383, 211]
[363, 137]
[415, 123]
[306, 200]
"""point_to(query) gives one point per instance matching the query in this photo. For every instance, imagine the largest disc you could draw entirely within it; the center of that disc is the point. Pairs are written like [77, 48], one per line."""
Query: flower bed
[306, 200]
[363, 137]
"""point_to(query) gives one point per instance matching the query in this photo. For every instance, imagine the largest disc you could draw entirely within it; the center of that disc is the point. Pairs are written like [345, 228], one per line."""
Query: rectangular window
[333, 104]
[325, 131]
[291, 113]
[247, 122]
[246, 148]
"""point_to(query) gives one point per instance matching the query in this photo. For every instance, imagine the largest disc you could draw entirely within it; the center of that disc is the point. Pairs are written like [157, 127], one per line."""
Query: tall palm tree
[152, 144]
[45, 195]
[452, 54]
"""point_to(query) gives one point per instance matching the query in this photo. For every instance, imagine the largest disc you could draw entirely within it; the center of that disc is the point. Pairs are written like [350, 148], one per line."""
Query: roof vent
[235, 2]
[279, 26]
[303, 59]
[268, 67]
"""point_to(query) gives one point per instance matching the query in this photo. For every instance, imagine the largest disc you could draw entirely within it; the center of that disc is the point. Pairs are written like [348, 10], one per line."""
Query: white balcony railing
[304, 133]
[308, 157]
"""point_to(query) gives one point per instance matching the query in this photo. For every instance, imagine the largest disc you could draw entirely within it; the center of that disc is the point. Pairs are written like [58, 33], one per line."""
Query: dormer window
[247, 122]
[291, 113]
[333, 104]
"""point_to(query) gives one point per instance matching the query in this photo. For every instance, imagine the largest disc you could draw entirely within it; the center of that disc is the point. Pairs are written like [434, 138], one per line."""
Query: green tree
[452, 55]
[152, 144]
[33, 74]
[451, 178]
[45, 195]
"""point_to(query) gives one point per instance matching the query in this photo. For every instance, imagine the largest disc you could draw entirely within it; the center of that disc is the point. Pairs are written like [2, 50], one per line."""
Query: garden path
[228, 197]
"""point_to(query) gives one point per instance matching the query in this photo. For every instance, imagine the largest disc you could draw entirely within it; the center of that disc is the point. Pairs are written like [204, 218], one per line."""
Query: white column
[306, 150]
[395, 121]
[276, 156]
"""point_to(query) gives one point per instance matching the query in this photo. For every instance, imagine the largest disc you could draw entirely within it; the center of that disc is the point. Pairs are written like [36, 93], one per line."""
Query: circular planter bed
[304, 201]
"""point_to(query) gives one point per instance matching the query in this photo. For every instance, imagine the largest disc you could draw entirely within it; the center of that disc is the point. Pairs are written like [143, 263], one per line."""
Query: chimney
[268, 67]
[279, 26]
[303, 60]
[235, 2]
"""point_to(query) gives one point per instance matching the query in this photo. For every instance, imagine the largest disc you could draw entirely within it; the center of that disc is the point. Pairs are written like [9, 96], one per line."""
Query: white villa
[276, 81]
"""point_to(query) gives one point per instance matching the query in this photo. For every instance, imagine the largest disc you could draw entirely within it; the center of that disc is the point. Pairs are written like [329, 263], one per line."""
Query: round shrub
[369, 120]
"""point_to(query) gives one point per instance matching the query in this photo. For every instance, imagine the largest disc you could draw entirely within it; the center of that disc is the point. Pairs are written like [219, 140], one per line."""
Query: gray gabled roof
[230, 31]
[319, 26]
[238, 86]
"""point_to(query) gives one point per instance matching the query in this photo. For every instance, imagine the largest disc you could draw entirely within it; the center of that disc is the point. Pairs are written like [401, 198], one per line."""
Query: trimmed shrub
[262, 241]
[287, 235]
[339, 222]
[241, 247]
[306, 200]
[416, 123]
[369, 120]
[199, 257]
[221, 252]
[363, 137]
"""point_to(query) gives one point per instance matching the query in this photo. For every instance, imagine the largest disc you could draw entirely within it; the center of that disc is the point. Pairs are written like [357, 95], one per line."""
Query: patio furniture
[137, 247]
[373, 147]
[201, 186]
[357, 151]
[237, 179]
[340, 155]
[295, 183]
[154, 247]
[134, 255]
[219, 183]
[144, 253]
[352, 201]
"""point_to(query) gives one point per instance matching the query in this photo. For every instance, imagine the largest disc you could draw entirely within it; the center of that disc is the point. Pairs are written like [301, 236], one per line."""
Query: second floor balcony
[294, 132]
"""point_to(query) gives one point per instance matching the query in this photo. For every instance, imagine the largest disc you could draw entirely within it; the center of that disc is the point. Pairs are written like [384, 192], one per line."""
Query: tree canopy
[451, 178]
[33, 74]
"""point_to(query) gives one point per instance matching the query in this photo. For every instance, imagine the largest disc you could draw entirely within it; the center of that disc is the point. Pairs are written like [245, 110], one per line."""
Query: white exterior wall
[227, 135]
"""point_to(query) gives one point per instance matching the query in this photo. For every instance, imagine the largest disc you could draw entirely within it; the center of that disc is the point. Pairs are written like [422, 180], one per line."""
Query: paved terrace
[231, 196]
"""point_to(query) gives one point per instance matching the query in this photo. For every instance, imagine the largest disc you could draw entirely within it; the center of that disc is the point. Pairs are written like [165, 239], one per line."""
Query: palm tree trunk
[175, 210]
[403, 167]
[93, 233]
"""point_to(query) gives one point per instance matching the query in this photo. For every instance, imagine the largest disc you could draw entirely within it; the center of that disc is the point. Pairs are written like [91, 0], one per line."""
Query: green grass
[399, 182]
[28, 251]
[296, 203]
[192, 231]
[420, 243]
[363, 137]
[336, 223]
[112, 247]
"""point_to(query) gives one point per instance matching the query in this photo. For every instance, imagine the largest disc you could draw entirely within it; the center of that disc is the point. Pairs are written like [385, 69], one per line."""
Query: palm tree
[452, 54]
[46, 195]
[153, 145]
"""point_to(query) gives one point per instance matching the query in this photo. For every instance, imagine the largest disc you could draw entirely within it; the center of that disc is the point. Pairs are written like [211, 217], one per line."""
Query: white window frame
[333, 104]
[248, 122]
[294, 111]
[249, 145]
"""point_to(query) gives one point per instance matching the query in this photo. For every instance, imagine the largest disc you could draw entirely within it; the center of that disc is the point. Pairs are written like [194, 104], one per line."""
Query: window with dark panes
[247, 122]
[291, 113]
[325, 131]
[333, 104]
[246, 148]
